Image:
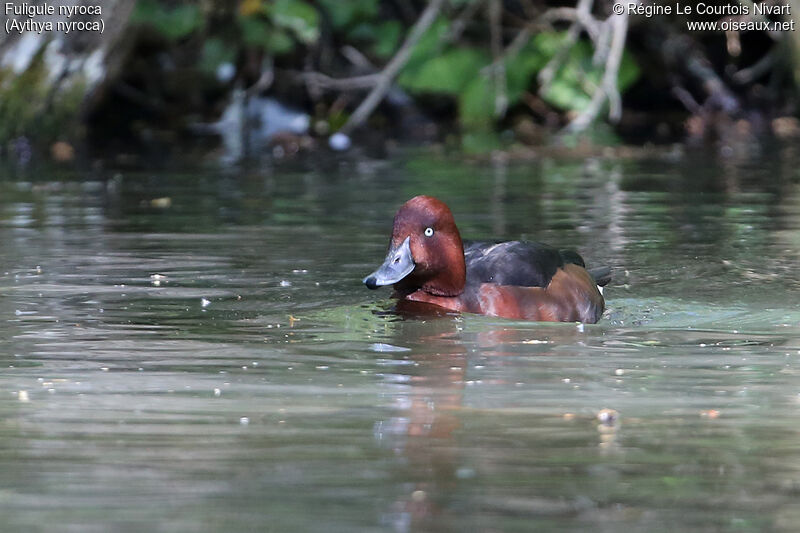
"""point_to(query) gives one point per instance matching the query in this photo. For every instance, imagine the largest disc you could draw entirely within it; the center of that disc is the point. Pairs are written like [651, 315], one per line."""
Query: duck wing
[524, 264]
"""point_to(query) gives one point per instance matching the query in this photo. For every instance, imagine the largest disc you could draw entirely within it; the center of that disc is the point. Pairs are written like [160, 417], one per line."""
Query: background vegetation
[479, 74]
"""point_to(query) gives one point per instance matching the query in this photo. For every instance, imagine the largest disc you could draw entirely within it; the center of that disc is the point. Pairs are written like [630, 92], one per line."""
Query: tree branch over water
[387, 75]
[607, 91]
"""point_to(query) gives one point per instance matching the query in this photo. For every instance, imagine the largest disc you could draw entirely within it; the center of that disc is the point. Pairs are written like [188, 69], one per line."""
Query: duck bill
[398, 264]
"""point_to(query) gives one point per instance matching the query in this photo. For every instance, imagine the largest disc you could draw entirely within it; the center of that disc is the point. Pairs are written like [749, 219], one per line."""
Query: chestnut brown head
[425, 251]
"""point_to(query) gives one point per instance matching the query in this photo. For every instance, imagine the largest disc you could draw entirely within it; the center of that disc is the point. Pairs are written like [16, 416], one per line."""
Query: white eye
[428, 232]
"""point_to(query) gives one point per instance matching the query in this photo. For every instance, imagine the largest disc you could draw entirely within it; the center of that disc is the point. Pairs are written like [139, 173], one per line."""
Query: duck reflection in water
[427, 390]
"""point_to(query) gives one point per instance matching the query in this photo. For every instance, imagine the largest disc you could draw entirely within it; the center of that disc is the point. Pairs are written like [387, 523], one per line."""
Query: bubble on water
[204, 302]
[608, 416]
[23, 396]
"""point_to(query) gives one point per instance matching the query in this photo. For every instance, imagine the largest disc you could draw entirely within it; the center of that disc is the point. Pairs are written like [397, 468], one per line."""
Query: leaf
[215, 52]
[476, 104]
[548, 43]
[348, 12]
[578, 78]
[426, 48]
[298, 17]
[565, 93]
[249, 8]
[628, 72]
[363, 31]
[458, 72]
[521, 67]
[387, 39]
[447, 73]
[257, 32]
[173, 23]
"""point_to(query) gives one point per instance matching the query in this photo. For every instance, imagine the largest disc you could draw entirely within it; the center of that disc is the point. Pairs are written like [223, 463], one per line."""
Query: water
[193, 351]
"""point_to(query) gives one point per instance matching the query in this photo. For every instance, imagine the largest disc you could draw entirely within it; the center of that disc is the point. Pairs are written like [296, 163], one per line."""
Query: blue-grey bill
[398, 264]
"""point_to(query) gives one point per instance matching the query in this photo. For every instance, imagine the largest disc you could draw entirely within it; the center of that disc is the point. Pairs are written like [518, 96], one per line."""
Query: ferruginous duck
[427, 262]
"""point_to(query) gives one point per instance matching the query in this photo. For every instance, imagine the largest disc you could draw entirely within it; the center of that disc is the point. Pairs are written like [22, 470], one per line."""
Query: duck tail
[601, 275]
[571, 256]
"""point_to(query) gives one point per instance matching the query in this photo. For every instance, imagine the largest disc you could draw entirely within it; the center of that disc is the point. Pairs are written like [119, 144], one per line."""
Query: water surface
[191, 350]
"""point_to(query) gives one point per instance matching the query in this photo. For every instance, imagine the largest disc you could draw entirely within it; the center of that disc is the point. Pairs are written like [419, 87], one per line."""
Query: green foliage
[480, 142]
[18, 104]
[448, 73]
[476, 104]
[29, 107]
[387, 38]
[296, 16]
[215, 52]
[278, 26]
[576, 80]
[259, 32]
[173, 23]
[461, 70]
[345, 14]
[426, 49]
[521, 67]
[465, 73]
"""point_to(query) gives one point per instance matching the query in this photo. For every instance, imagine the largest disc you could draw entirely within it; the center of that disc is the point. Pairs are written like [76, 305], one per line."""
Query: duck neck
[452, 277]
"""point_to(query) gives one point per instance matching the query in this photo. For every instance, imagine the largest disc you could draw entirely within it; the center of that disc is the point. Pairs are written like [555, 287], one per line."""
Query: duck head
[425, 252]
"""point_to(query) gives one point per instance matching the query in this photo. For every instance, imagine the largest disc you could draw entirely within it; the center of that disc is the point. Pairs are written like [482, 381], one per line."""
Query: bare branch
[602, 44]
[387, 75]
[686, 98]
[324, 82]
[608, 90]
[460, 23]
[755, 71]
[498, 65]
[581, 13]
[265, 80]
[354, 56]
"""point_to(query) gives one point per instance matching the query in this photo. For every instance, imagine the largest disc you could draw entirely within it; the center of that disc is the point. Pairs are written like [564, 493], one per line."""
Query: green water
[192, 350]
